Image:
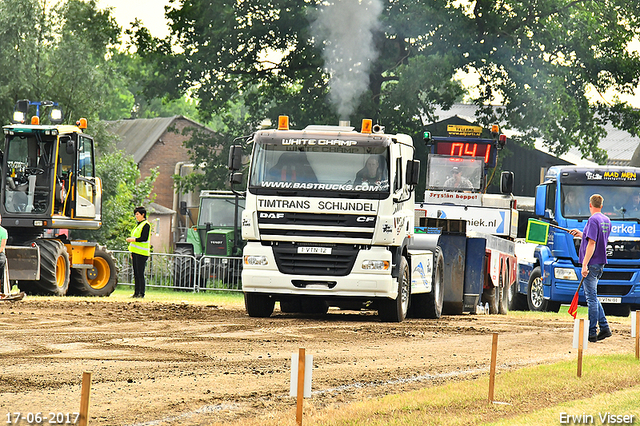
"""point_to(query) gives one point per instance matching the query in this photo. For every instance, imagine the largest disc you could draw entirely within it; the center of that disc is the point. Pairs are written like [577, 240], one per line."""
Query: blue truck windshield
[620, 202]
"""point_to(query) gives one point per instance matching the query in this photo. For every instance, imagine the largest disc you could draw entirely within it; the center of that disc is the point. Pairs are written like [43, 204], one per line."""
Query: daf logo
[271, 215]
[365, 219]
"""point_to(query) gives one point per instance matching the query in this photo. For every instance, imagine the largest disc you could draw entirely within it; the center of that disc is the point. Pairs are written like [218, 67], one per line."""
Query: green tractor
[211, 249]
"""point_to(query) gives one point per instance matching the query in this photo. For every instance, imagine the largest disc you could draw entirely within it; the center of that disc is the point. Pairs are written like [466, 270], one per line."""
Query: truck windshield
[454, 173]
[620, 202]
[219, 212]
[315, 169]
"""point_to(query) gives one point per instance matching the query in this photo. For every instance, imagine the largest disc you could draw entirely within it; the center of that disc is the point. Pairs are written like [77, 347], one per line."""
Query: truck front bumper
[361, 283]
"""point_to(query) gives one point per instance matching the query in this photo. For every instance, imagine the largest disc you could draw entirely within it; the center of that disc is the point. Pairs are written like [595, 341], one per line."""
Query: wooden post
[301, 359]
[580, 346]
[84, 399]
[492, 371]
[637, 334]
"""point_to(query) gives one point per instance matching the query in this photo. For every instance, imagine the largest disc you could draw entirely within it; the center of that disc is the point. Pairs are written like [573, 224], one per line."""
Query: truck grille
[338, 263]
[296, 224]
[613, 290]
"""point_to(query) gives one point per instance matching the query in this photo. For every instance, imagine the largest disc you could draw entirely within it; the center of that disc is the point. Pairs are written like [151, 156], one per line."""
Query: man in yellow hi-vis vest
[140, 249]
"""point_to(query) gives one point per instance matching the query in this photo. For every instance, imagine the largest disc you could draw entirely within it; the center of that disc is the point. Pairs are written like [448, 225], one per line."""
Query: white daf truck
[329, 221]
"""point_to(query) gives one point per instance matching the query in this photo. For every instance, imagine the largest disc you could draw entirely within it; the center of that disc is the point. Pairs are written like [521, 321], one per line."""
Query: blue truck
[550, 275]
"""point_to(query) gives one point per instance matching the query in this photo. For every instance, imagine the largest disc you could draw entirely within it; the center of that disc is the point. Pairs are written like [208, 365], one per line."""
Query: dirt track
[189, 364]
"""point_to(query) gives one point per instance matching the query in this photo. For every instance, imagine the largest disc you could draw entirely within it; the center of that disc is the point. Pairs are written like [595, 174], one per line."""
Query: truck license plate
[314, 250]
[610, 299]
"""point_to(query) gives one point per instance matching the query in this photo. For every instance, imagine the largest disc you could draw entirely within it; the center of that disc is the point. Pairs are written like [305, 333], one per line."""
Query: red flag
[573, 308]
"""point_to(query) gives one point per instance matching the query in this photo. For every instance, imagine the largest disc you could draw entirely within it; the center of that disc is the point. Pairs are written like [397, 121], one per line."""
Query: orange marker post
[580, 346]
[301, 358]
[84, 399]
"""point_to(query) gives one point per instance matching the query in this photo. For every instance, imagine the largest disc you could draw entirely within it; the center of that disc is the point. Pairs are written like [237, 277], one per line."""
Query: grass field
[541, 395]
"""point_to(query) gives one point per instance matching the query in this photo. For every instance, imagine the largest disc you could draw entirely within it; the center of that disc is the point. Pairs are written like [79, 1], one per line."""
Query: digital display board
[467, 149]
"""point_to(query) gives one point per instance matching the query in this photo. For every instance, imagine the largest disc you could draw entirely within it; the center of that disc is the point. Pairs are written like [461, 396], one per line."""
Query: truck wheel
[616, 310]
[258, 305]
[54, 269]
[101, 280]
[503, 294]
[291, 306]
[313, 305]
[535, 298]
[518, 302]
[396, 310]
[183, 268]
[429, 305]
[490, 296]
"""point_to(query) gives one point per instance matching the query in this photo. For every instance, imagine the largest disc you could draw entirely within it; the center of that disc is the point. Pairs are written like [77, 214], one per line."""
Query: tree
[61, 52]
[122, 192]
[538, 59]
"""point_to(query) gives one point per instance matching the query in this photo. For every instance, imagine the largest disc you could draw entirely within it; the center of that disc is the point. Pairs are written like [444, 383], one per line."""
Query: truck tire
[535, 298]
[429, 305]
[503, 294]
[517, 302]
[184, 268]
[99, 281]
[490, 296]
[396, 310]
[314, 306]
[258, 305]
[616, 310]
[291, 305]
[54, 269]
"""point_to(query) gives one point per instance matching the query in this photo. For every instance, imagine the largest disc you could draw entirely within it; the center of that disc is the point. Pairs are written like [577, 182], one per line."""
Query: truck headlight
[375, 265]
[255, 260]
[565, 274]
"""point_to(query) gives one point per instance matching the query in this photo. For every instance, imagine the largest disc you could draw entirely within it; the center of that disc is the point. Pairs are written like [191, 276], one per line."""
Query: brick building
[158, 142]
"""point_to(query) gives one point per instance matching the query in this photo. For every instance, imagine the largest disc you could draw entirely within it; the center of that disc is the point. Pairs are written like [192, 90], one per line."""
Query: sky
[150, 12]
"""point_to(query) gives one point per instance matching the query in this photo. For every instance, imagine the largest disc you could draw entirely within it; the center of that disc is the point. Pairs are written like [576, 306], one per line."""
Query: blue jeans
[596, 313]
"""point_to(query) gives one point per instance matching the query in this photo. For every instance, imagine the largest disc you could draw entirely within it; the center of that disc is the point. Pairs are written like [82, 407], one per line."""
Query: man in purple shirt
[593, 256]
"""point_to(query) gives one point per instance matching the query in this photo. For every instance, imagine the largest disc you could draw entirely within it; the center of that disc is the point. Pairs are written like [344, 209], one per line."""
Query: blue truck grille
[614, 290]
[338, 263]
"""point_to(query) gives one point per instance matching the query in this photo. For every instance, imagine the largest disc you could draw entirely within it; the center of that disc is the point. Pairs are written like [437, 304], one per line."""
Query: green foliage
[121, 193]
[538, 59]
[61, 53]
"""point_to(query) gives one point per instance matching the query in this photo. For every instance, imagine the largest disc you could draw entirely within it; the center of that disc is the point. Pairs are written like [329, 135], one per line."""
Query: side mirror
[235, 178]
[506, 183]
[183, 208]
[235, 157]
[541, 197]
[71, 147]
[413, 172]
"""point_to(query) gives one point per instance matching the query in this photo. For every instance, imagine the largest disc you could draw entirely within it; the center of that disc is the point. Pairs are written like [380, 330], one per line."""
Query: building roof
[157, 209]
[137, 136]
[619, 144]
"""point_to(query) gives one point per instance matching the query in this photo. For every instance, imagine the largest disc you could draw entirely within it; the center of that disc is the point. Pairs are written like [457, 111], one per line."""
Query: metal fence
[183, 272]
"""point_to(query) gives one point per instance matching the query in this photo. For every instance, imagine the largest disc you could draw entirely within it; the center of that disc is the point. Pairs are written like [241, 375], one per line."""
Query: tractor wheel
[101, 280]
[54, 269]
[184, 266]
